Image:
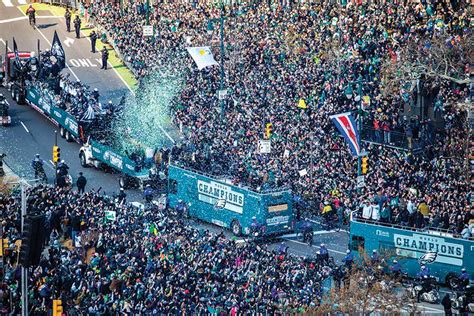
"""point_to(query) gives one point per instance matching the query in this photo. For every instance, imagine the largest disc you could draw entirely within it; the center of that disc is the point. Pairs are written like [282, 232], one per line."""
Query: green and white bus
[441, 251]
[217, 201]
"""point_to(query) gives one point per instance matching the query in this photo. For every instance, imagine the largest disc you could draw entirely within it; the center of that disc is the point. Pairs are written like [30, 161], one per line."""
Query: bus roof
[429, 230]
[225, 180]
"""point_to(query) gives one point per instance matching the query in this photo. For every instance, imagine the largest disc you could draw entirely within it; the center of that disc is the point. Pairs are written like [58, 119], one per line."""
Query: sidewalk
[9, 176]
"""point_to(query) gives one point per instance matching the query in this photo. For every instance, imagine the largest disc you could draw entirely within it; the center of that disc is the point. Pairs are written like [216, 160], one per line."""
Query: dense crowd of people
[147, 261]
[277, 55]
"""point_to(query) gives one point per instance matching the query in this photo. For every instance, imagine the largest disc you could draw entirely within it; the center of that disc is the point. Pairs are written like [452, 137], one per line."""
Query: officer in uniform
[67, 16]
[77, 26]
[105, 56]
[93, 40]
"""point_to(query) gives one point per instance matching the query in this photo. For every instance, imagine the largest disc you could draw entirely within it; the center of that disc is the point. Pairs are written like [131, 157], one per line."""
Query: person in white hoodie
[375, 210]
[366, 210]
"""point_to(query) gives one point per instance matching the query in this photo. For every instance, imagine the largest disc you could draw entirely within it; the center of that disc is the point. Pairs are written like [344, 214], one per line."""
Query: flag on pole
[57, 51]
[347, 126]
[15, 51]
[202, 56]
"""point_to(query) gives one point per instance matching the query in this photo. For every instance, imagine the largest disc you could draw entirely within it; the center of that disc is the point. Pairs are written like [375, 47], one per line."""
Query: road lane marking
[24, 126]
[320, 232]
[7, 3]
[304, 243]
[82, 62]
[6, 101]
[52, 163]
[26, 18]
[68, 41]
[4, 43]
[22, 1]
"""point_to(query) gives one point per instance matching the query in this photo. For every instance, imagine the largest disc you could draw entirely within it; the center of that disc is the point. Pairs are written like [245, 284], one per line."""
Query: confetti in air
[146, 114]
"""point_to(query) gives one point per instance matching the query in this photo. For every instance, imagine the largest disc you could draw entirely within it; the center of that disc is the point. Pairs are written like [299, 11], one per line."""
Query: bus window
[357, 242]
[173, 186]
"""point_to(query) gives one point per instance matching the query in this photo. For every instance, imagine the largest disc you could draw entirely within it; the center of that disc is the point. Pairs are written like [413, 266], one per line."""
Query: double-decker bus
[216, 200]
[443, 252]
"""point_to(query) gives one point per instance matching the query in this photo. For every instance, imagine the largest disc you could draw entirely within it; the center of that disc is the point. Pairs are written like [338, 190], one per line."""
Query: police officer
[148, 193]
[348, 260]
[77, 26]
[105, 56]
[396, 269]
[122, 196]
[67, 16]
[81, 183]
[464, 278]
[324, 253]
[93, 40]
[95, 94]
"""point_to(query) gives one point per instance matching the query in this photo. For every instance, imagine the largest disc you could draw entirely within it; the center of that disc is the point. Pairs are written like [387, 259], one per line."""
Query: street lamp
[358, 98]
[210, 27]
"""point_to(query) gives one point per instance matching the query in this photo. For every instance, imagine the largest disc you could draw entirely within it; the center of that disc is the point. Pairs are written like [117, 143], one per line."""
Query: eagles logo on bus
[428, 258]
[220, 203]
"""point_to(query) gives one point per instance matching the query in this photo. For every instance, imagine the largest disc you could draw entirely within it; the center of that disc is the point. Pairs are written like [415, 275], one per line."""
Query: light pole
[348, 92]
[210, 27]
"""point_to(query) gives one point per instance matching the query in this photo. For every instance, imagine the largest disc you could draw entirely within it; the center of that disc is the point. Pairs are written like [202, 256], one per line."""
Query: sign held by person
[147, 30]
[264, 146]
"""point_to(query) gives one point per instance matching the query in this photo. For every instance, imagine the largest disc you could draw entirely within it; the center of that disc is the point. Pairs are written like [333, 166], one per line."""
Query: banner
[202, 56]
[17, 55]
[57, 51]
[347, 127]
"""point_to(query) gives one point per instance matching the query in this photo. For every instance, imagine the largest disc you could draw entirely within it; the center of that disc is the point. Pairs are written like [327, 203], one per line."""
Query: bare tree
[442, 57]
[367, 290]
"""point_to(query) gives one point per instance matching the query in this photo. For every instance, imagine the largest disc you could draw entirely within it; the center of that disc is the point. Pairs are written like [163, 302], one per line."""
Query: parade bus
[442, 252]
[216, 200]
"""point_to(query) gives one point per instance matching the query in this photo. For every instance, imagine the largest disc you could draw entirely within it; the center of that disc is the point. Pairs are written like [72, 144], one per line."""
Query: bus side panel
[441, 254]
[278, 210]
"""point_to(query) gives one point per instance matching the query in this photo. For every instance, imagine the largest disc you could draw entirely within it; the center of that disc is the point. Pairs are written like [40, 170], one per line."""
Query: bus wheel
[62, 132]
[451, 280]
[236, 228]
[82, 158]
[68, 137]
[123, 182]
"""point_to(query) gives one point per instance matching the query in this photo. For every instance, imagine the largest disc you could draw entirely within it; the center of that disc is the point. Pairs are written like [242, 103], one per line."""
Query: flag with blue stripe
[346, 125]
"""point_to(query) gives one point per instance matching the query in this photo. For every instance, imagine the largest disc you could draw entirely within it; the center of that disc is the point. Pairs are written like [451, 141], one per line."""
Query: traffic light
[57, 308]
[32, 241]
[3, 246]
[365, 164]
[56, 154]
[268, 130]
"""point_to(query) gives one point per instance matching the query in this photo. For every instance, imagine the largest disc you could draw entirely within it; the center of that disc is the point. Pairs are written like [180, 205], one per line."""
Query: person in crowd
[447, 304]
[150, 263]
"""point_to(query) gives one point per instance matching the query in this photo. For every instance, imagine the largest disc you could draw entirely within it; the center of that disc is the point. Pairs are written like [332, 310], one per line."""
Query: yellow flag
[302, 104]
